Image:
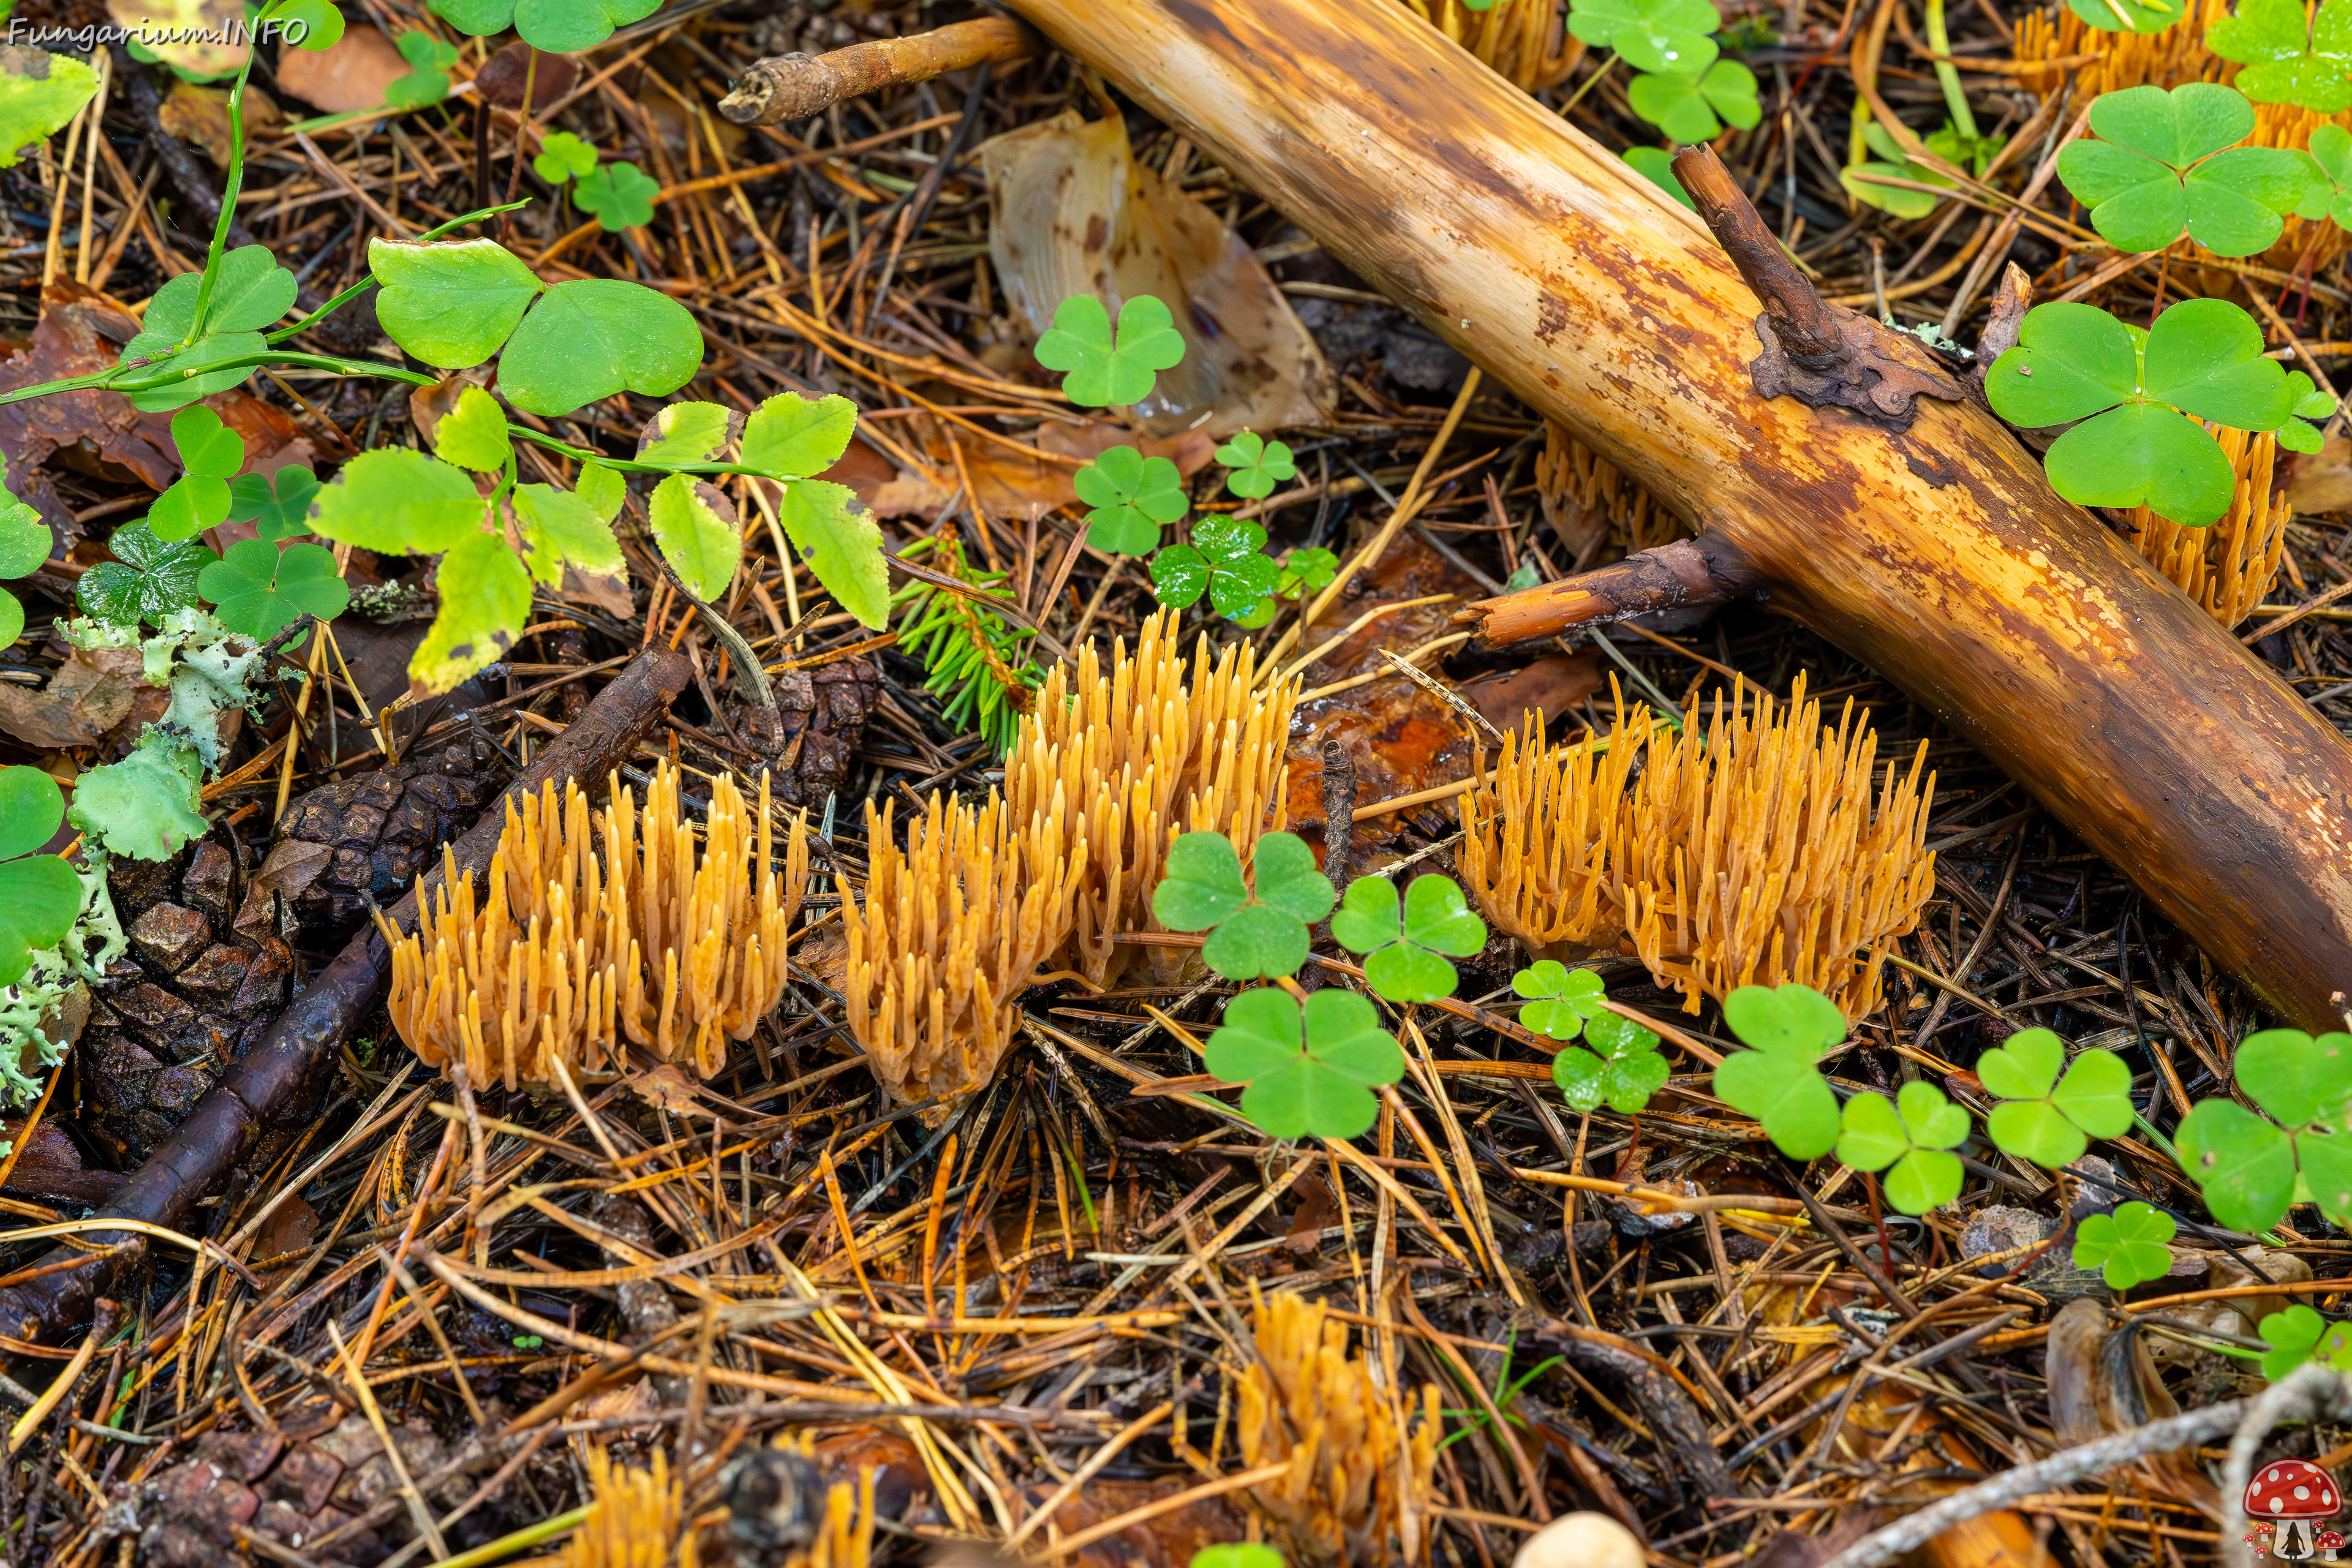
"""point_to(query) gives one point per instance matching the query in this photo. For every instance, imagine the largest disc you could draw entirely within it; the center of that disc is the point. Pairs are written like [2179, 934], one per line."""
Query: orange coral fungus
[551, 961]
[953, 927]
[2228, 567]
[1142, 755]
[1589, 503]
[1535, 838]
[636, 1519]
[1359, 1470]
[1751, 855]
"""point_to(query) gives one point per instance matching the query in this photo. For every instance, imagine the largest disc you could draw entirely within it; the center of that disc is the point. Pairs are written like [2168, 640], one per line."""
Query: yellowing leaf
[39, 92]
[842, 545]
[696, 529]
[397, 500]
[485, 603]
[560, 528]
[473, 433]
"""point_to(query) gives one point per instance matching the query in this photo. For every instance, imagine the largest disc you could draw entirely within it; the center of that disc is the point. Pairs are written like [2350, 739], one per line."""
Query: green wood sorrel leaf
[2298, 435]
[2244, 1165]
[1777, 1081]
[591, 338]
[313, 25]
[450, 302]
[841, 543]
[199, 497]
[1258, 466]
[1224, 558]
[399, 503]
[1305, 572]
[563, 157]
[1687, 108]
[2331, 196]
[2043, 1116]
[2130, 16]
[474, 436]
[1656, 165]
[1319, 1088]
[1104, 369]
[260, 590]
[39, 92]
[147, 580]
[2128, 1246]
[1558, 999]
[192, 377]
[427, 82]
[696, 527]
[39, 894]
[278, 506]
[798, 437]
[556, 26]
[2160, 168]
[1894, 161]
[2299, 1334]
[561, 529]
[145, 805]
[1253, 933]
[1132, 497]
[485, 604]
[2287, 60]
[1649, 35]
[2139, 397]
[683, 434]
[618, 195]
[1403, 948]
[251, 293]
[1908, 1137]
[1621, 1071]
[2253, 1171]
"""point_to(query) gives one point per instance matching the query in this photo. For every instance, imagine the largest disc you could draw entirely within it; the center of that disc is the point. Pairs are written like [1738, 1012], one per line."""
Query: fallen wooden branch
[1937, 554]
[795, 86]
[269, 1079]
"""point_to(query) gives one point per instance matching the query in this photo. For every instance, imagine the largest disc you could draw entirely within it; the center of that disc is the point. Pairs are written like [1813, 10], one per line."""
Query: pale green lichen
[96, 940]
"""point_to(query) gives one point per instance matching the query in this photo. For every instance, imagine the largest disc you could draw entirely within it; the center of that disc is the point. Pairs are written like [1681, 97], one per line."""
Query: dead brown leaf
[350, 77]
[88, 694]
[200, 114]
[502, 81]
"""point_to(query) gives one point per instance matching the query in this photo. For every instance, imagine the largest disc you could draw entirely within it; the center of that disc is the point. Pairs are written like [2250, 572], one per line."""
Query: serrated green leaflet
[684, 433]
[2160, 169]
[1908, 1138]
[485, 603]
[24, 540]
[586, 340]
[841, 543]
[1318, 1086]
[39, 91]
[2050, 1109]
[1132, 496]
[473, 433]
[1404, 945]
[2286, 60]
[1656, 165]
[618, 195]
[1621, 1071]
[2126, 1247]
[39, 894]
[560, 529]
[798, 437]
[1225, 559]
[558, 26]
[145, 805]
[1649, 35]
[450, 302]
[399, 503]
[604, 489]
[1687, 107]
[1257, 465]
[147, 580]
[563, 157]
[260, 591]
[698, 534]
[1559, 1000]
[1106, 368]
[278, 505]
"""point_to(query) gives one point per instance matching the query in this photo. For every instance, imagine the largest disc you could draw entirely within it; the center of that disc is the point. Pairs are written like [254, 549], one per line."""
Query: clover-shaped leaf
[1794, 1019]
[593, 337]
[2298, 434]
[1558, 999]
[2159, 169]
[449, 302]
[1305, 572]
[2130, 16]
[2298, 1335]
[1622, 1068]
[259, 590]
[2244, 1165]
[473, 434]
[1404, 963]
[1104, 368]
[148, 579]
[2251, 1170]
[1778, 1083]
[620, 194]
[2139, 397]
[553, 27]
[1649, 35]
[1225, 559]
[427, 82]
[1132, 496]
[278, 505]
[1257, 464]
[563, 157]
[1320, 1088]
[1909, 1137]
[2330, 197]
[1257, 930]
[2295, 1078]
[39, 894]
[2050, 1109]
[1685, 107]
[199, 497]
[2288, 60]
[313, 25]
[2128, 1246]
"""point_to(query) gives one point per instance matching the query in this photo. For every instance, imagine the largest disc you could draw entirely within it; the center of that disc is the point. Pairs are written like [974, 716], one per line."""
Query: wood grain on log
[1937, 555]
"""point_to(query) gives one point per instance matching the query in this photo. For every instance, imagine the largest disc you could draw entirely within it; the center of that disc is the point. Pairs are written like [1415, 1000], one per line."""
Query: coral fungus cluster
[564, 953]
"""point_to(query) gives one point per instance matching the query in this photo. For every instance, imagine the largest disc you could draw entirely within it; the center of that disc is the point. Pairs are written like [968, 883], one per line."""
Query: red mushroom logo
[2291, 1494]
[2331, 1541]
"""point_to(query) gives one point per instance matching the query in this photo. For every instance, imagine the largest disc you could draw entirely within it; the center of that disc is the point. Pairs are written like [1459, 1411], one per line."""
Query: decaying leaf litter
[1069, 1315]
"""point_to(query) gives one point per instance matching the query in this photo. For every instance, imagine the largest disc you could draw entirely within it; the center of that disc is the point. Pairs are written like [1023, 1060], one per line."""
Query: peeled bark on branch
[1937, 554]
[795, 86]
[1681, 575]
[271, 1077]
